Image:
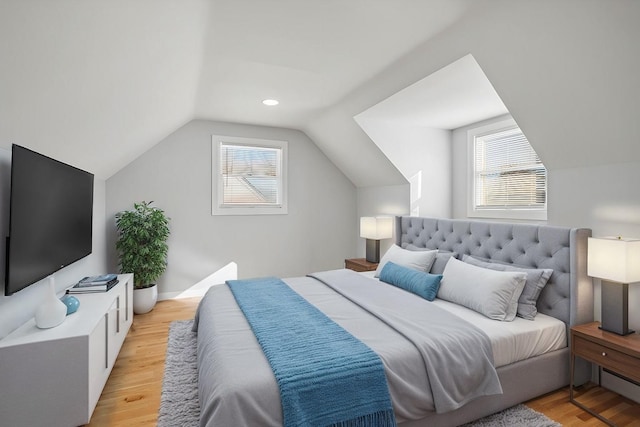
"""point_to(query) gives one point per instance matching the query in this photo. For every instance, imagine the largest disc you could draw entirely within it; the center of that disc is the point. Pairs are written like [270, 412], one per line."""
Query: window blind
[508, 173]
[251, 176]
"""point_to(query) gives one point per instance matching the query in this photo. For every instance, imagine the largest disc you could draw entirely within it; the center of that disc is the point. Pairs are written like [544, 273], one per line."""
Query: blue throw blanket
[326, 376]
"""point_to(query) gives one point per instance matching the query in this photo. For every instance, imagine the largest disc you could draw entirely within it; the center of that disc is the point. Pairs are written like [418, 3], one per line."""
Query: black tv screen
[50, 219]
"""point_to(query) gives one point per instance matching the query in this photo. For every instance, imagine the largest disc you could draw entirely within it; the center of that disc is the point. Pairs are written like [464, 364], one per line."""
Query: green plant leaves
[142, 242]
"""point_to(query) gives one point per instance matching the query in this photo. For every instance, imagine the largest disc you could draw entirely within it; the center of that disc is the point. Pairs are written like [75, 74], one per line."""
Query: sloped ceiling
[98, 82]
[567, 71]
[449, 98]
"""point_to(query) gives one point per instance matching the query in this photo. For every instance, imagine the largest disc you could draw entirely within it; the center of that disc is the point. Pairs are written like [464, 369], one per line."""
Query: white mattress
[512, 341]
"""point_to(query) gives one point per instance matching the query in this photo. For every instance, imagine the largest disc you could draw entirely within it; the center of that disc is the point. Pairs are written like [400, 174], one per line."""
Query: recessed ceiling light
[270, 102]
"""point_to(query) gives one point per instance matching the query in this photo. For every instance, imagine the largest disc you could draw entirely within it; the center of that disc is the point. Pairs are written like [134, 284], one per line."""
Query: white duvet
[512, 341]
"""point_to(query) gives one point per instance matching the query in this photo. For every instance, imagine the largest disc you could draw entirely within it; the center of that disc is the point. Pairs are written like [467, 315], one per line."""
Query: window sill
[282, 210]
[508, 214]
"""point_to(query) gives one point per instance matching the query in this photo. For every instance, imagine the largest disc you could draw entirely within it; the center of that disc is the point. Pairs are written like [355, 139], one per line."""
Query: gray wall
[21, 306]
[316, 234]
[606, 199]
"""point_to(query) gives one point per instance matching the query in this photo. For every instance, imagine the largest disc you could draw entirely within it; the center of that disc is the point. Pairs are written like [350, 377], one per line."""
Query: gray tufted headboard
[568, 294]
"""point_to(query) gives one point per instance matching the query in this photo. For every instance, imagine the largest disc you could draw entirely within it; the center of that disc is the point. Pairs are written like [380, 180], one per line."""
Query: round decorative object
[71, 302]
[52, 311]
[144, 299]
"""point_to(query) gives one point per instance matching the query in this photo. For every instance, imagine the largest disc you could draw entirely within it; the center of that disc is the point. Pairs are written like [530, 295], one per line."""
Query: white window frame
[497, 213]
[218, 207]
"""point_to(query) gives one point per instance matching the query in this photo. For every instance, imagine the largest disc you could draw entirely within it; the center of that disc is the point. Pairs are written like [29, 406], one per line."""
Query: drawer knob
[604, 354]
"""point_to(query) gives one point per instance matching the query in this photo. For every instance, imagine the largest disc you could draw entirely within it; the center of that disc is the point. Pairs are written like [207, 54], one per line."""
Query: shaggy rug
[179, 402]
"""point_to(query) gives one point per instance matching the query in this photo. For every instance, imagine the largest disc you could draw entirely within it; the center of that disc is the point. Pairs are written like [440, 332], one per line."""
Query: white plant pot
[145, 299]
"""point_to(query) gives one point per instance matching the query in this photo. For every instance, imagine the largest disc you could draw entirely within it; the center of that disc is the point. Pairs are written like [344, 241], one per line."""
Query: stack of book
[91, 284]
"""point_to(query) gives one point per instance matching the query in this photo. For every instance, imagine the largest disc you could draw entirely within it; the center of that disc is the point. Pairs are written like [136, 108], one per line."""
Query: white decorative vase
[52, 311]
[145, 299]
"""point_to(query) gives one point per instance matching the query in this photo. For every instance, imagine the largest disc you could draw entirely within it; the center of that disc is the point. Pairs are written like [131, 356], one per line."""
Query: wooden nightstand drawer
[607, 357]
[618, 354]
[360, 264]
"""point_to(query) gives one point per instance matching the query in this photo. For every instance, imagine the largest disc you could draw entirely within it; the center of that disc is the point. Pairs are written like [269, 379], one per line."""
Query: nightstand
[616, 353]
[360, 264]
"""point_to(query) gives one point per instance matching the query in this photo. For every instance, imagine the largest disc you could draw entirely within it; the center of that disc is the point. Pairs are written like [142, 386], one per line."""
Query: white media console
[54, 377]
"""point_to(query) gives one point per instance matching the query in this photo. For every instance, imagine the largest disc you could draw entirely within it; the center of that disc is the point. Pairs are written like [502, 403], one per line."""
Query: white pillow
[417, 260]
[489, 292]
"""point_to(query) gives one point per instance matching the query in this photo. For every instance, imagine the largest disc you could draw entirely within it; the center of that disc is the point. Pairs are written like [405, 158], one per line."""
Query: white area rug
[179, 402]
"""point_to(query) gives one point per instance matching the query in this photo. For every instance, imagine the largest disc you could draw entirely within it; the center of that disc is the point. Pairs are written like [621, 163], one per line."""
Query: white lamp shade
[376, 228]
[615, 259]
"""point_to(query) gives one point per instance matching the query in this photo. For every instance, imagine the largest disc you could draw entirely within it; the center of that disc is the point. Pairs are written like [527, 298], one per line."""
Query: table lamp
[373, 229]
[616, 261]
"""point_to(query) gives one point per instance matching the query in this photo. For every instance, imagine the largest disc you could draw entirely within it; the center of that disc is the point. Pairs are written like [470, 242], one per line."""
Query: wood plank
[132, 394]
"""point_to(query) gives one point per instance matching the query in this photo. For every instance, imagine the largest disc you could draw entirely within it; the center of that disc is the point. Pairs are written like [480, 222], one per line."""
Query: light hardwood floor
[132, 394]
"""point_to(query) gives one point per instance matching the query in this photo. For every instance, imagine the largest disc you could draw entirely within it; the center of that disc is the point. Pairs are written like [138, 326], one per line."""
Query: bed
[237, 386]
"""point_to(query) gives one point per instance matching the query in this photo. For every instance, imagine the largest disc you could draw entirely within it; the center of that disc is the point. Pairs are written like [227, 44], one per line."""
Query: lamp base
[615, 308]
[373, 250]
[629, 331]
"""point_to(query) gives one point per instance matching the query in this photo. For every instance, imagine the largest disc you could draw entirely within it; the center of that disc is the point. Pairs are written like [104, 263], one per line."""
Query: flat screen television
[50, 218]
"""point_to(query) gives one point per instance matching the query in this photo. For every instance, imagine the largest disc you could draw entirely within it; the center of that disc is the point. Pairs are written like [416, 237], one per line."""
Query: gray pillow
[537, 278]
[489, 292]
[442, 257]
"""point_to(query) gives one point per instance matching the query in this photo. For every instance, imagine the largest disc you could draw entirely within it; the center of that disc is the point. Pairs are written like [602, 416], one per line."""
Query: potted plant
[142, 250]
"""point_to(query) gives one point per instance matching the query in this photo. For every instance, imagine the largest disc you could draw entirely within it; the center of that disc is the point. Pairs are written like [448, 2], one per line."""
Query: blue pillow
[423, 284]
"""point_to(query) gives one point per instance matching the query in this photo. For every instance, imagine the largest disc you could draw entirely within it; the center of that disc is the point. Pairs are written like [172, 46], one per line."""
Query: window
[508, 179]
[249, 176]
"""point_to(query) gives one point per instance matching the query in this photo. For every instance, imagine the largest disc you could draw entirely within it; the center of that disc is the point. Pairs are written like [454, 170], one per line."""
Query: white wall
[21, 306]
[316, 234]
[423, 157]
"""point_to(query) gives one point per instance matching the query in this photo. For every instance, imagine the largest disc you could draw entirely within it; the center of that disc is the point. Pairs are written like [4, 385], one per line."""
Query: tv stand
[55, 376]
